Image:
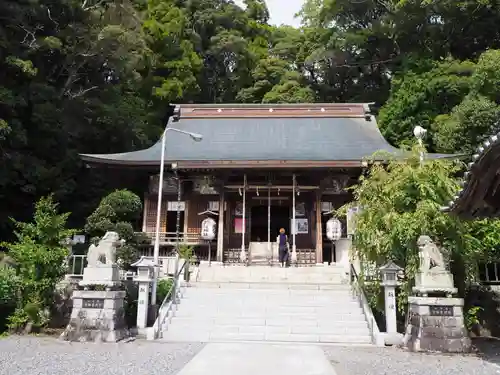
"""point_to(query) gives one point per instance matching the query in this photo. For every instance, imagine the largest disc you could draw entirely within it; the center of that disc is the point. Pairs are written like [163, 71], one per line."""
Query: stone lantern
[389, 273]
[145, 270]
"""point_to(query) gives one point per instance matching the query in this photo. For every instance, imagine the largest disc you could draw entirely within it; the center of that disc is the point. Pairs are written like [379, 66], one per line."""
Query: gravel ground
[49, 356]
[393, 361]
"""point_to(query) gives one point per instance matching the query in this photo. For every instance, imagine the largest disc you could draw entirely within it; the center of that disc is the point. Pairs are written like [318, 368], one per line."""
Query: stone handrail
[167, 304]
[377, 338]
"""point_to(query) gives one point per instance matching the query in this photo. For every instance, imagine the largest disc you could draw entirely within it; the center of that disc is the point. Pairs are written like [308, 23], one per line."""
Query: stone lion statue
[105, 251]
[431, 258]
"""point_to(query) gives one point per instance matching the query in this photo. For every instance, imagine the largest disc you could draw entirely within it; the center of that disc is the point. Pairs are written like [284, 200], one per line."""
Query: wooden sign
[170, 184]
[93, 303]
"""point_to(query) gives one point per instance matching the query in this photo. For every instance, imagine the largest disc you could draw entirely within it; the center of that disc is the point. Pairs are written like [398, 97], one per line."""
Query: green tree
[457, 101]
[402, 201]
[39, 254]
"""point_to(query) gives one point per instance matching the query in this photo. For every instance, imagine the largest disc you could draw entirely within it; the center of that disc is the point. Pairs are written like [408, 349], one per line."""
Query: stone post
[145, 269]
[389, 274]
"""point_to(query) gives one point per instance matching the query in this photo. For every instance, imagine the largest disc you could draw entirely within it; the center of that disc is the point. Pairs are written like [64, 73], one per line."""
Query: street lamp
[156, 249]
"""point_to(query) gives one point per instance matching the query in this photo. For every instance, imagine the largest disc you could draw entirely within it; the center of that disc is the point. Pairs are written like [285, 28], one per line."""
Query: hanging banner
[301, 226]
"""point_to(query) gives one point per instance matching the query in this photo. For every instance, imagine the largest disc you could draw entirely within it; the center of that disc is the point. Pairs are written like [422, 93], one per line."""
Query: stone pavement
[30, 355]
[261, 359]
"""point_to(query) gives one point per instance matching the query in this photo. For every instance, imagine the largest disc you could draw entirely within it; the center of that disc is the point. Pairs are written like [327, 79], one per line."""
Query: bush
[116, 212]
[9, 288]
[130, 303]
[163, 288]
[39, 253]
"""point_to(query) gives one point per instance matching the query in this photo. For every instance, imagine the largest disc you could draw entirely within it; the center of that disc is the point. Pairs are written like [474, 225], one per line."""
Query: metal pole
[209, 253]
[177, 235]
[421, 144]
[243, 256]
[294, 225]
[269, 247]
[156, 248]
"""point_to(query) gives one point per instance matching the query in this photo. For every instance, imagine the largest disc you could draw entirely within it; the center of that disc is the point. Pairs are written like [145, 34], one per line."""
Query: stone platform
[437, 324]
[97, 316]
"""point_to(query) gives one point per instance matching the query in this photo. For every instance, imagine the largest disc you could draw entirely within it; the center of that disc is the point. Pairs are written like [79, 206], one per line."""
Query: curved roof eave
[469, 177]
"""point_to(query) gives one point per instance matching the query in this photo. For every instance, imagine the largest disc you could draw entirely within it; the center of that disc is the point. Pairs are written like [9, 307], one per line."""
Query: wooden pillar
[186, 213]
[220, 227]
[145, 212]
[243, 255]
[319, 229]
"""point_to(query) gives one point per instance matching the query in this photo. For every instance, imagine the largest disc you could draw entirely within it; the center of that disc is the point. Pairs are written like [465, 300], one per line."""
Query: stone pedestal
[434, 282]
[436, 324]
[97, 316]
[108, 275]
[98, 310]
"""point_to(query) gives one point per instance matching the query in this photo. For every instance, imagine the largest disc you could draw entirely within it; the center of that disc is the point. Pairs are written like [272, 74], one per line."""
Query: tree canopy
[96, 77]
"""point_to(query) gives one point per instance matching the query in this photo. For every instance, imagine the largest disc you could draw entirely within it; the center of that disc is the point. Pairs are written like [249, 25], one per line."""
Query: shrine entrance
[259, 229]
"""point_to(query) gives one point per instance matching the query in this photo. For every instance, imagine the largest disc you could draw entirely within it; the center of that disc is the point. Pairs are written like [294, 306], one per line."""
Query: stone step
[204, 336]
[265, 304]
[240, 285]
[271, 329]
[272, 310]
[361, 323]
[271, 289]
[334, 316]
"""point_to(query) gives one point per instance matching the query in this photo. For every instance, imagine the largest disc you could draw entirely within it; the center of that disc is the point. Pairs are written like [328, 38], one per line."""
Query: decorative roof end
[176, 115]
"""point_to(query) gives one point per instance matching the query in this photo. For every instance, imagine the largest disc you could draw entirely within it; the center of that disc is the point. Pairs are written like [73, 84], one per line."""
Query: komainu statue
[431, 258]
[105, 252]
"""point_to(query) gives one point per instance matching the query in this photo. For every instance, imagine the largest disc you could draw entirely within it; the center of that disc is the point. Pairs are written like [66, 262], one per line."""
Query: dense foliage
[96, 76]
[39, 255]
[402, 201]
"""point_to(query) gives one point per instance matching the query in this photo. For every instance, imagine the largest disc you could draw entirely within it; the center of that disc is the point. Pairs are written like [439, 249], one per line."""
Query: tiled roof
[466, 202]
[298, 134]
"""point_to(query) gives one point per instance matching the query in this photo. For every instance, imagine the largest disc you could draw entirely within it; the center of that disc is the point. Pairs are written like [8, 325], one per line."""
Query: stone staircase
[236, 303]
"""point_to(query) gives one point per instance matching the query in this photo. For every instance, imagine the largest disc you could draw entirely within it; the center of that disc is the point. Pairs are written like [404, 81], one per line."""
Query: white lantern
[334, 229]
[208, 229]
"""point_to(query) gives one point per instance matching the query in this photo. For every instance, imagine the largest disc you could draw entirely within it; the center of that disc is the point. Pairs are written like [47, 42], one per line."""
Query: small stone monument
[390, 272]
[145, 273]
[436, 321]
[98, 304]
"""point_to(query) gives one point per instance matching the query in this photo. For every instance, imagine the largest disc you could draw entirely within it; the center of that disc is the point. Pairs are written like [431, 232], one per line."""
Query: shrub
[163, 288]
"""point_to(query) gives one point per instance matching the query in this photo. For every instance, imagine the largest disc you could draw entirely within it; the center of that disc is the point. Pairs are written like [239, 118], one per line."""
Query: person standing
[282, 241]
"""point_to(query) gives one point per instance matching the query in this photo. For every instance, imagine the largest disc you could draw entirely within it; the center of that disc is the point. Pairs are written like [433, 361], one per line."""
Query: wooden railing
[170, 238]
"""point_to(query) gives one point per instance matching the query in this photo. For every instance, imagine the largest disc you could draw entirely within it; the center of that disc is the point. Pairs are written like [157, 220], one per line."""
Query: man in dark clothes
[282, 241]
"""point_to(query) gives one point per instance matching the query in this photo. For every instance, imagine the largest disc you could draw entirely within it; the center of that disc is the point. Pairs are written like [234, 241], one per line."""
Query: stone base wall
[97, 316]
[437, 325]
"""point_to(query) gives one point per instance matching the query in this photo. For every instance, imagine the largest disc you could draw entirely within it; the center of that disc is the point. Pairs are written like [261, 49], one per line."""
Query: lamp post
[419, 133]
[156, 249]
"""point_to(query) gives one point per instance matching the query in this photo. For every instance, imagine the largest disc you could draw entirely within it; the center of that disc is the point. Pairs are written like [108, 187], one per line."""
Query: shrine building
[257, 168]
